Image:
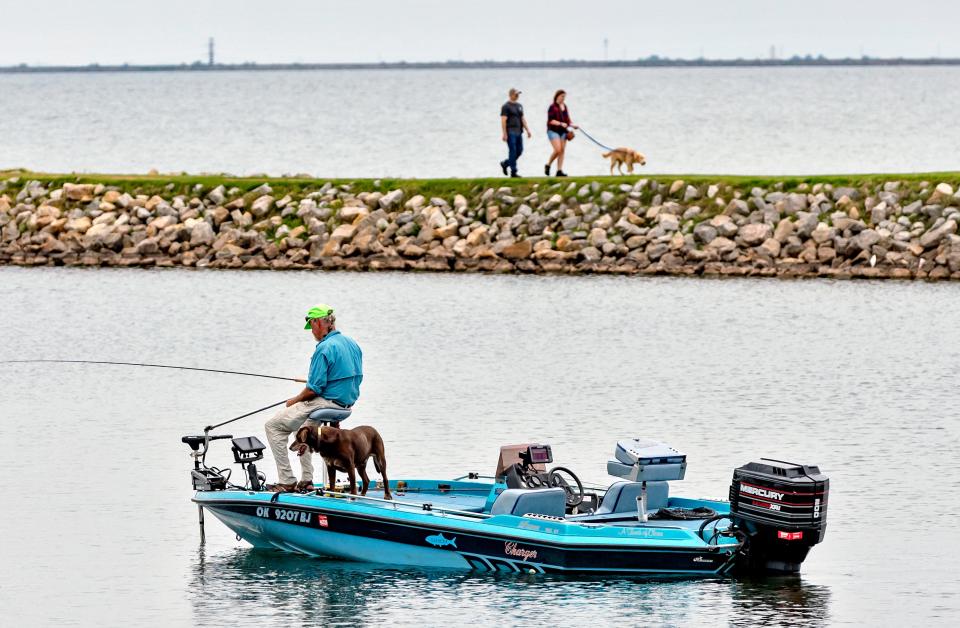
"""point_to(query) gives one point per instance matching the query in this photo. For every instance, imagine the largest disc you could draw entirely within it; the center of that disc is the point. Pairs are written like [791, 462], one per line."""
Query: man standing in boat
[336, 370]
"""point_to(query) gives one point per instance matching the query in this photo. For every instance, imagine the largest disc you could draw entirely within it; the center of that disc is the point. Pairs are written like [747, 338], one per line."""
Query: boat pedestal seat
[524, 501]
[330, 416]
[621, 497]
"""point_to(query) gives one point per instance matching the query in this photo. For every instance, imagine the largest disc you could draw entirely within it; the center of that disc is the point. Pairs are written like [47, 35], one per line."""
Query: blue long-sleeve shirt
[336, 369]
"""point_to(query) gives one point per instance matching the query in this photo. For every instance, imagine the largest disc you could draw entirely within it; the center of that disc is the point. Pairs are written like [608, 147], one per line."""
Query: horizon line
[651, 61]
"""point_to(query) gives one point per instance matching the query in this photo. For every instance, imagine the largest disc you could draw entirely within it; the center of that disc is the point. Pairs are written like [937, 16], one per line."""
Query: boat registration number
[283, 514]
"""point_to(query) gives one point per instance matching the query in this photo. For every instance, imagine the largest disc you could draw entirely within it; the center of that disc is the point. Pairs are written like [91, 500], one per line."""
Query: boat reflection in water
[249, 585]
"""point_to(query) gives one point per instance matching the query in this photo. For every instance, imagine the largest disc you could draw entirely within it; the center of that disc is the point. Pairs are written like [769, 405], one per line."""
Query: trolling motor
[203, 477]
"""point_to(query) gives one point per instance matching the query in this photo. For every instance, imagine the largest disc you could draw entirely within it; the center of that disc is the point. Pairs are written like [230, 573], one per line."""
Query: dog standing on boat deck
[346, 450]
[620, 156]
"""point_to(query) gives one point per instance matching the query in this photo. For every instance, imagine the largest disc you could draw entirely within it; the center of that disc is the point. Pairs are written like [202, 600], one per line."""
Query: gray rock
[806, 223]
[933, 237]
[656, 250]
[392, 198]
[201, 233]
[879, 213]
[852, 193]
[754, 234]
[217, 195]
[796, 202]
[261, 206]
[597, 236]
[783, 231]
[590, 254]
[606, 197]
[628, 228]
[536, 224]
[913, 207]
[553, 201]
[865, 239]
[669, 222]
[737, 206]
[722, 245]
[823, 233]
[148, 246]
[690, 194]
[415, 203]
[771, 247]
[724, 225]
[261, 190]
[704, 232]
[604, 222]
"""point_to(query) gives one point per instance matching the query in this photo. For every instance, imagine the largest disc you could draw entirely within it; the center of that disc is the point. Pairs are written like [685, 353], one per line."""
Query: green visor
[319, 311]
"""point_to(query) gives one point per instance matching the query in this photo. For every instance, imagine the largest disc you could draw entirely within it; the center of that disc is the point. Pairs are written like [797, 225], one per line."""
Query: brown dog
[346, 450]
[620, 156]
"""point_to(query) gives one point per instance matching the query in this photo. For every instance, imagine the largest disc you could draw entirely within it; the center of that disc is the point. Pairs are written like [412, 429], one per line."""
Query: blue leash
[590, 137]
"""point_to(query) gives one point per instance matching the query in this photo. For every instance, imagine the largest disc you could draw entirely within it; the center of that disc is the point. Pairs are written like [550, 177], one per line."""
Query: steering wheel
[570, 484]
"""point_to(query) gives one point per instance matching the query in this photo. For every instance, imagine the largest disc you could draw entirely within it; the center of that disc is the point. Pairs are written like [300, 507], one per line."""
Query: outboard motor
[782, 508]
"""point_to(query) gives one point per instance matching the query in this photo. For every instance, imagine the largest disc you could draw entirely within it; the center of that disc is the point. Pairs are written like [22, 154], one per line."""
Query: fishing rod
[159, 366]
[208, 428]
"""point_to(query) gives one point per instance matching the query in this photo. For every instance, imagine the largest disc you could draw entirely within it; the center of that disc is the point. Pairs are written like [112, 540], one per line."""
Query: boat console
[530, 472]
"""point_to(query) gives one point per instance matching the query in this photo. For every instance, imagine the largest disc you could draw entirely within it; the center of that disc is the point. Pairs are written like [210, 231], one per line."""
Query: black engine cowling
[782, 508]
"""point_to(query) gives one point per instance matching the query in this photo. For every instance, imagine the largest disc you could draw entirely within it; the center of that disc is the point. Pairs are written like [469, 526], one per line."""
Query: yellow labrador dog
[620, 156]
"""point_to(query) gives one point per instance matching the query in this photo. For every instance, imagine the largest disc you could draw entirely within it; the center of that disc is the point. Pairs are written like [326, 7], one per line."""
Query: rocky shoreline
[880, 228]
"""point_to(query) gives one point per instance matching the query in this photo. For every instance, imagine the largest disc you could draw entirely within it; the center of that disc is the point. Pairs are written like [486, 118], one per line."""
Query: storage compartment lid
[647, 452]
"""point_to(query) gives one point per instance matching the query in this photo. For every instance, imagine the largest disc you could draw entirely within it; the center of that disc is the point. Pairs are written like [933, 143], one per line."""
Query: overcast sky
[72, 32]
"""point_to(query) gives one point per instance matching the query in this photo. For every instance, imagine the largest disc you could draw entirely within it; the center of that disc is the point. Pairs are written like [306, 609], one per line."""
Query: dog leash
[591, 138]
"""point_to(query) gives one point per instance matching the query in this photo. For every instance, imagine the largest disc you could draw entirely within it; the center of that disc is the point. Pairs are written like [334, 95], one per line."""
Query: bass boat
[526, 518]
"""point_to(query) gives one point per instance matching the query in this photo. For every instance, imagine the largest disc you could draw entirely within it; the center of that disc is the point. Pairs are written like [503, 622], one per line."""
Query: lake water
[857, 377]
[438, 123]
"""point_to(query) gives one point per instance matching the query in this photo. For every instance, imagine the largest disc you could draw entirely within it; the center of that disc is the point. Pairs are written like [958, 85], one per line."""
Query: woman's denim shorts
[553, 135]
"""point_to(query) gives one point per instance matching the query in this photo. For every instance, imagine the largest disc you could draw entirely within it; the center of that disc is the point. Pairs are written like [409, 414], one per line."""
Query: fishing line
[159, 366]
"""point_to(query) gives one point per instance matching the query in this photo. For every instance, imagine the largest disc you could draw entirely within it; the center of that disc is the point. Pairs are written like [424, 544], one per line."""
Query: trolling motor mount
[246, 451]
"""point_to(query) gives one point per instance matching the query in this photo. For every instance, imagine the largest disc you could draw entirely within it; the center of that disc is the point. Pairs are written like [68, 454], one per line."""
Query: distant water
[98, 525]
[437, 123]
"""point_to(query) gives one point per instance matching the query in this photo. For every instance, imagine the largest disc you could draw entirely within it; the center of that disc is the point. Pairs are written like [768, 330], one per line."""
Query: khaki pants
[281, 426]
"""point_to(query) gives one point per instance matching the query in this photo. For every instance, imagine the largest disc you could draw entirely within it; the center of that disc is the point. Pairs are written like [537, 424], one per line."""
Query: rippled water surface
[436, 123]
[858, 377]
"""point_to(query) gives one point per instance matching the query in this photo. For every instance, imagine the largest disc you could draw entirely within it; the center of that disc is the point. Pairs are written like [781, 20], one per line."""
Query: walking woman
[558, 131]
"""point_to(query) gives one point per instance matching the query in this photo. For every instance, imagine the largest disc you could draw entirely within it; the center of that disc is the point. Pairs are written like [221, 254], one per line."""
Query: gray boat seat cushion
[522, 501]
[622, 497]
[330, 415]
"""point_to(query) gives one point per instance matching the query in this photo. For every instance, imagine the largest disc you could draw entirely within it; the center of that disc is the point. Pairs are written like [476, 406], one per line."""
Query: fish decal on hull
[438, 540]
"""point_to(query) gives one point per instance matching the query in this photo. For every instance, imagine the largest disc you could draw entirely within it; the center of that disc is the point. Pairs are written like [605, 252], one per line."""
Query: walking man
[336, 370]
[513, 124]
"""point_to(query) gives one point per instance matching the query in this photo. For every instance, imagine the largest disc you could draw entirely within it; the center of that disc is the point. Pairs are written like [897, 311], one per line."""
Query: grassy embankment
[182, 183]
